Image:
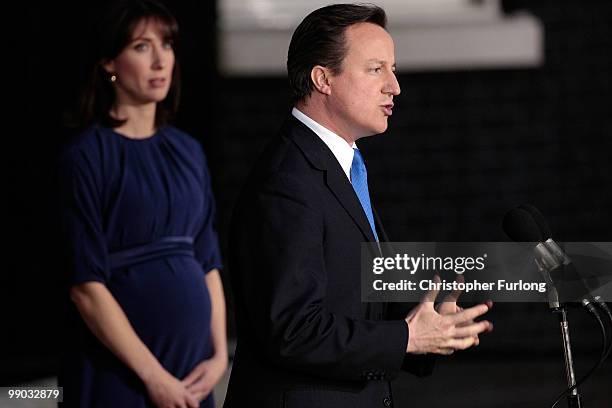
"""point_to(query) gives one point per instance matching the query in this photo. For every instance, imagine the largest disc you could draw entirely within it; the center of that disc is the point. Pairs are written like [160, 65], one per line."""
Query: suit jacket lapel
[341, 187]
[317, 152]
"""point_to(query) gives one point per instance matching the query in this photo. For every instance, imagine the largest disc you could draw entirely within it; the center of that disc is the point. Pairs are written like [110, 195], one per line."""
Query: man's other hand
[446, 328]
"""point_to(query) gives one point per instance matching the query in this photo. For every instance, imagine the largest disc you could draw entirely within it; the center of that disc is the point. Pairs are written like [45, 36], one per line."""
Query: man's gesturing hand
[433, 332]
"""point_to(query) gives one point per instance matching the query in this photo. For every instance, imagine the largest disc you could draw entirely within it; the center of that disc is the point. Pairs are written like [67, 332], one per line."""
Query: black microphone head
[520, 226]
[539, 219]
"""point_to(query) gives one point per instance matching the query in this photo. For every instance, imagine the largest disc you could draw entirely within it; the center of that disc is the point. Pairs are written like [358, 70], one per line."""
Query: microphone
[552, 246]
[527, 224]
[520, 226]
[539, 219]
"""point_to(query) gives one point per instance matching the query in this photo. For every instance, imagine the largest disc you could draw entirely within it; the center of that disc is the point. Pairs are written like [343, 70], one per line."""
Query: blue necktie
[359, 179]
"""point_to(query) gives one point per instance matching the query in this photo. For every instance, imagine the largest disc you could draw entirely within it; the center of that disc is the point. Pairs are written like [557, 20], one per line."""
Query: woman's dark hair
[320, 40]
[113, 33]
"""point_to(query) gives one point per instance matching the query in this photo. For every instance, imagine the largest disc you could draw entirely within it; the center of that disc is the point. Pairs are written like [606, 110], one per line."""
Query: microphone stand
[546, 262]
[573, 399]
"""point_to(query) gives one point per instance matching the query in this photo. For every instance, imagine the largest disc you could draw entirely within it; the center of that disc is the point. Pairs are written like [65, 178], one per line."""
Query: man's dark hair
[320, 40]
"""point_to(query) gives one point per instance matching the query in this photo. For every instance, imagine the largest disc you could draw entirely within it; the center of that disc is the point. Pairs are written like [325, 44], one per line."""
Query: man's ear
[320, 77]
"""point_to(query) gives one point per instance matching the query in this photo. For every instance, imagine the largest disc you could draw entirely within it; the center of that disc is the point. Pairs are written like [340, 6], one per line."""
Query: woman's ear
[109, 66]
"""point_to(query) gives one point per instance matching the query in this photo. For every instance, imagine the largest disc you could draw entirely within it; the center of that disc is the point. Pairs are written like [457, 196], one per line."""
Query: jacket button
[387, 402]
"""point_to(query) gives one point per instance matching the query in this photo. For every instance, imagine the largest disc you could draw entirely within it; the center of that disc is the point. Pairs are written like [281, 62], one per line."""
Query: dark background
[463, 147]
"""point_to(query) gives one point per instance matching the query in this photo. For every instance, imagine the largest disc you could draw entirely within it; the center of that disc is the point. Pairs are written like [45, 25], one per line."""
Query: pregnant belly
[166, 298]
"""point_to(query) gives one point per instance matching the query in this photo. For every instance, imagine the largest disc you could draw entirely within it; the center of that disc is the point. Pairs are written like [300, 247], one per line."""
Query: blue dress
[138, 217]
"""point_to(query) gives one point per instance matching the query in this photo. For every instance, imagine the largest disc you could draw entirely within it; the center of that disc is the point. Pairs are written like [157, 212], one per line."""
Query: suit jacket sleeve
[421, 365]
[283, 283]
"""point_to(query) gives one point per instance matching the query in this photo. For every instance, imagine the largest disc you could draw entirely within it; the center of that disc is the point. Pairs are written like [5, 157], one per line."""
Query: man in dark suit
[305, 338]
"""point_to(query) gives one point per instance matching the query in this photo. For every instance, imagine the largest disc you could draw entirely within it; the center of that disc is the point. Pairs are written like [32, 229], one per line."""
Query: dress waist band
[169, 245]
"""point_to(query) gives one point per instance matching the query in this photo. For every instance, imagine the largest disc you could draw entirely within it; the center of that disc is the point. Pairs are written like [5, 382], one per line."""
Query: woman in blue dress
[138, 212]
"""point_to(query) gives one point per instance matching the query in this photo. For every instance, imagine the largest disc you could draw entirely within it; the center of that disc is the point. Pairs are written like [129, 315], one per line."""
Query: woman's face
[144, 67]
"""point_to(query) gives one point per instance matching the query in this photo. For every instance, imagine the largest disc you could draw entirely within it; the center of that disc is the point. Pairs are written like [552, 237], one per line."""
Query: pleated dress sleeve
[82, 219]
[206, 244]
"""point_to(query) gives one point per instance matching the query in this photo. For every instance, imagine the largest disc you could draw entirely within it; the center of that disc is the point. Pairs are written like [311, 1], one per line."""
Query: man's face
[361, 98]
